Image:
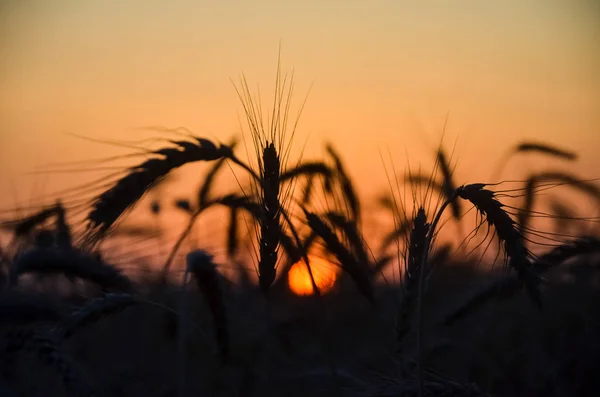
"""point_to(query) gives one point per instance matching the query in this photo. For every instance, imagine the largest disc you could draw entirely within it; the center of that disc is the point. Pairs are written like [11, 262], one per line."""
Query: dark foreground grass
[507, 347]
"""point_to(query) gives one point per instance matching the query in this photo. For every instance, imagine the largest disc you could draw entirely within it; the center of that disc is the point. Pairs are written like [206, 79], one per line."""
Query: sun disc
[324, 273]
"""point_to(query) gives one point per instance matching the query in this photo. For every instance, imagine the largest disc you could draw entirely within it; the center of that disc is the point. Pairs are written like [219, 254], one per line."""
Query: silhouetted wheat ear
[269, 223]
[309, 169]
[111, 204]
[346, 184]
[20, 308]
[557, 176]
[201, 265]
[359, 272]
[508, 233]
[48, 350]
[25, 226]
[534, 147]
[350, 229]
[294, 253]
[509, 286]
[545, 149]
[581, 246]
[93, 311]
[409, 290]
[70, 263]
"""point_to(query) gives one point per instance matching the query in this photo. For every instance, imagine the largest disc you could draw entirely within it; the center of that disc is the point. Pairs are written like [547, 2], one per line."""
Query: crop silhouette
[449, 325]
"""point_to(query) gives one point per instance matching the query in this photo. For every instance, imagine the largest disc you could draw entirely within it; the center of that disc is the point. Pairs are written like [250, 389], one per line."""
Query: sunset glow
[324, 272]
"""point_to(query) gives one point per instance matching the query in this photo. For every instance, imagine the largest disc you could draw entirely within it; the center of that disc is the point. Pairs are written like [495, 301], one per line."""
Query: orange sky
[384, 75]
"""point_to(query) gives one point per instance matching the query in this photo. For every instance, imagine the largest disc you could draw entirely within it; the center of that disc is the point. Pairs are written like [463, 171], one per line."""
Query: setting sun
[324, 272]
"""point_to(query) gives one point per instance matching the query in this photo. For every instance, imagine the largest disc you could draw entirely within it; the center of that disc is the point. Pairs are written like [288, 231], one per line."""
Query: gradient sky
[384, 75]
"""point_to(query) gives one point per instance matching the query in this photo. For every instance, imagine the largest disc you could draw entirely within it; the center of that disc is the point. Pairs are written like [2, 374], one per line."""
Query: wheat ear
[269, 223]
[111, 204]
[410, 292]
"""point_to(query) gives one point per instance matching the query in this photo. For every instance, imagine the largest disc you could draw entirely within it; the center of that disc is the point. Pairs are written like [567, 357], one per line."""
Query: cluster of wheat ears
[29, 323]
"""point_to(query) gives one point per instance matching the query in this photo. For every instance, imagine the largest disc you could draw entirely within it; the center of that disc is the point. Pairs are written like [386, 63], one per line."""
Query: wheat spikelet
[111, 204]
[269, 223]
[409, 291]
[358, 271]
[518, 255]
[95, 310]
[201, 265]
[71, 263]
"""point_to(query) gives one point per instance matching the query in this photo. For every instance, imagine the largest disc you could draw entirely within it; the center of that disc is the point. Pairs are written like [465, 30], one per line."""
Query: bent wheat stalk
[486, 203]
[111, 204]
